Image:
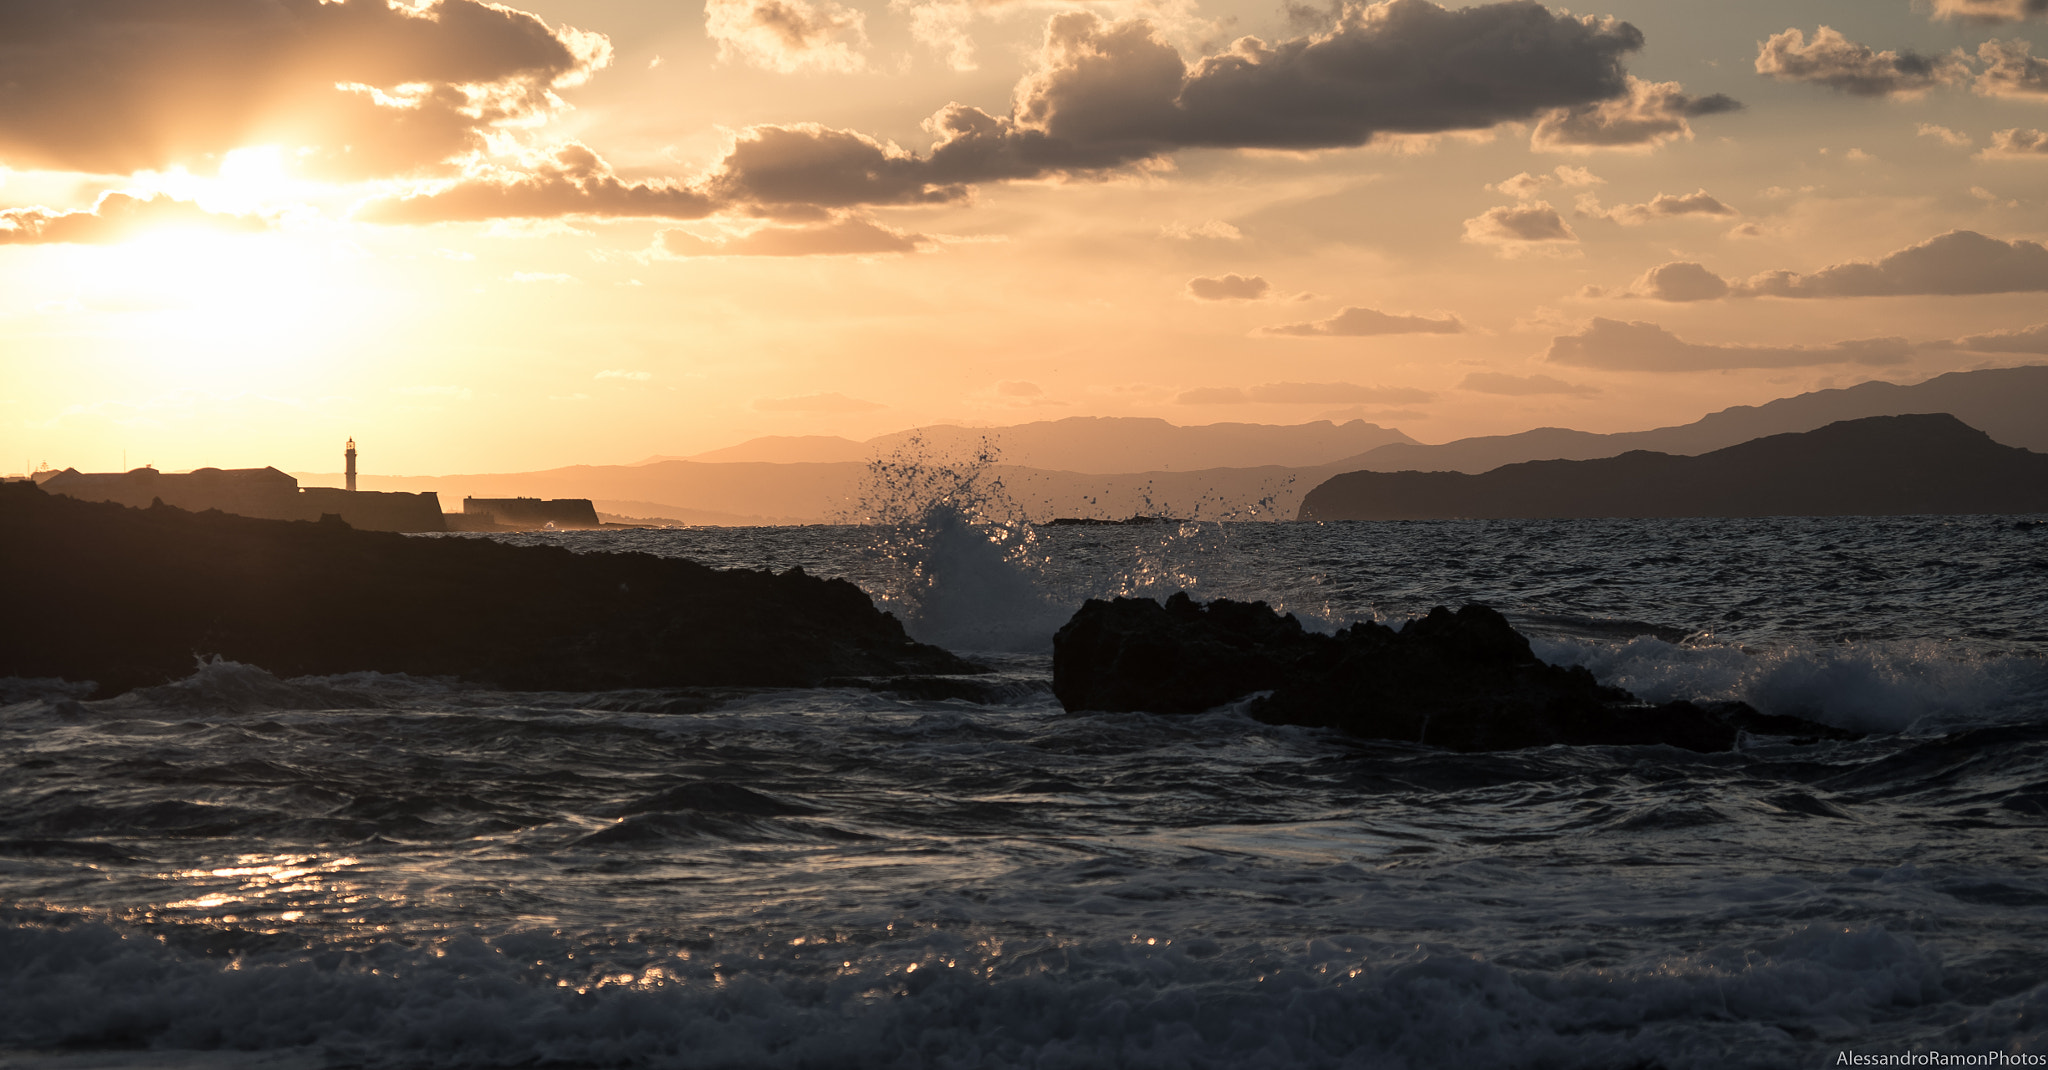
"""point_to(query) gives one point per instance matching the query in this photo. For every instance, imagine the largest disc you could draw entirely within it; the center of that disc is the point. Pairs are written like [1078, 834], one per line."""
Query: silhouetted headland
[129, 597]
[1879, 466]
[258, 492]
[1464, 681]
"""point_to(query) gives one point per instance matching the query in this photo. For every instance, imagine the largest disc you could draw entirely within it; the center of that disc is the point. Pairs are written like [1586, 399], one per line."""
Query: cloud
[2017, 144]
[1522, 386]
[1946, 136]
[620, 373]
[1214, 228]
[942, 27]
[2023, 340]
[788, 35]
[1647, 115]
[1990, 10]
[1105, 94]
[2011, 70]
[357, 89]
[825, 403]
[574, 181]
[843, 237]
[1518, 224]
[1662, 206]
[1833, 60]
[1018, 389]
[1959, 262]
[1525, 186]
[116, 217]
[1617, 346]
[1680, 281]
[1304, 394]
[1213, 395]
[1365, 322]
[1228, 288]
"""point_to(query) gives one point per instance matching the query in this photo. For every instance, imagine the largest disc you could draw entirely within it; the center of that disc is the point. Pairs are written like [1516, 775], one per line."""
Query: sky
[484, 237]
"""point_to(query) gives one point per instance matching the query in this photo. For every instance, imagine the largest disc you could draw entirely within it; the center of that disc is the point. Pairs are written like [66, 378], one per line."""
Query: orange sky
[487, 238]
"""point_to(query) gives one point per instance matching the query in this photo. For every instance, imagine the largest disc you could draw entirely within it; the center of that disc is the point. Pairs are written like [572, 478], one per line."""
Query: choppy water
[382, 871]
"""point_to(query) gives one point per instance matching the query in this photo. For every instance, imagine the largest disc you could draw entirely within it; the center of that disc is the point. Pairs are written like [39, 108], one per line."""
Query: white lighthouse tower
[351, 455]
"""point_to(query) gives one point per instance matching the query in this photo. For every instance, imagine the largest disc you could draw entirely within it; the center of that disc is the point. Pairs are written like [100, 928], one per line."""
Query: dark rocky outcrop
[127, 597]
[1880, 466]
[1465, 681]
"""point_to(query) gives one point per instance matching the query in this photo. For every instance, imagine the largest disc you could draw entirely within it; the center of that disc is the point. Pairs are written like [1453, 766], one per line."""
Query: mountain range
[1119, 466]
[1878, 466]
[1098, 445]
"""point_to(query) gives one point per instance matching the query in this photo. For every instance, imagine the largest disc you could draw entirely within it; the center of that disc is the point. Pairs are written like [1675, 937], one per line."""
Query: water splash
[959, 561]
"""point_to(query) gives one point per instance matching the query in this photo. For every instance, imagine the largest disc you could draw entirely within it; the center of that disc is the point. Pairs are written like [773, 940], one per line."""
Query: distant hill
[1093, 444]
[782, 449]
[2009, 404]
[1877, 466]
[752, 492]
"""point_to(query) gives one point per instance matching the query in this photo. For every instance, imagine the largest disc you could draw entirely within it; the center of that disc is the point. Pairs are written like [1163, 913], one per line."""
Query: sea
[371, 870]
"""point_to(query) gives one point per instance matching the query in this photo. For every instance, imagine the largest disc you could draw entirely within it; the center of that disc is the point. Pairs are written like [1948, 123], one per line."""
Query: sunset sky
[495, 238]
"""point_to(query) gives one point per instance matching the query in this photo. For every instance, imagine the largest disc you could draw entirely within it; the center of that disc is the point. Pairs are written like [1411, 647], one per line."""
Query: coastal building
[258, 492]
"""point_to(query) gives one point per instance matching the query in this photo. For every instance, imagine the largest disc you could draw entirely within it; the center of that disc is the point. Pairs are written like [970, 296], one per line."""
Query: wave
[951, 997]
[1869, 686]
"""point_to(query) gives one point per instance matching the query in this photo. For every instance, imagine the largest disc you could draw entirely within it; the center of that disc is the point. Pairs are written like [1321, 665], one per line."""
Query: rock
[1465, 681]
[130, 597]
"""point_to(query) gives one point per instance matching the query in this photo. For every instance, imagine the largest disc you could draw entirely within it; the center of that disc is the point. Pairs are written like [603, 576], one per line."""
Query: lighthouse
[351, 456]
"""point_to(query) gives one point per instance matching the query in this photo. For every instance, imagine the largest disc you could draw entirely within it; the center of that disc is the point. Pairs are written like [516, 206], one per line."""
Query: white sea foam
[1877, 686]
[960, 564]
[1327, 1001]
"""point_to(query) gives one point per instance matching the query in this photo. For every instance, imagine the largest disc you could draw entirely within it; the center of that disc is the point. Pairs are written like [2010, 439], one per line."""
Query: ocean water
[382, 871]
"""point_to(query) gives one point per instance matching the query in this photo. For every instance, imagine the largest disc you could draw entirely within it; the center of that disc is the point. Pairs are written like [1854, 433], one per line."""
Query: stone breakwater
[130, 597]
[1465, 681]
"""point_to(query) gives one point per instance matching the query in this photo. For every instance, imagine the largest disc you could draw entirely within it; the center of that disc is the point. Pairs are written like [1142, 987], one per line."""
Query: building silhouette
[258, 492]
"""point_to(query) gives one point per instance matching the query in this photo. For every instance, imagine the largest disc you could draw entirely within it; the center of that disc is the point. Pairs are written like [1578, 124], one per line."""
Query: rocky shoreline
[1464, 681]
[132, 597]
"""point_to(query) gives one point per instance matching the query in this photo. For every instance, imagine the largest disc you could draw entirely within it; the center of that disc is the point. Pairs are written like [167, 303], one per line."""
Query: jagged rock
[1464, 681]
[129, 597]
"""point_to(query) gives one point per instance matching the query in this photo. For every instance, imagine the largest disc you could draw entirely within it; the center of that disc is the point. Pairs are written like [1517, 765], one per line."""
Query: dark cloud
[1681, 281]
[843, 237]
[367, 87]
[1105, 94]
[2011, 70]
[1959, 262]
[574, 182]
[1110, 93]
[1519, 224]
[2024, 340]
[1366, 322]
[1647, 115]
[1304, 394]
[2017, 142]
[117, 217]
[1990, 10]
[827, 403]
[1522, 386]
[1833, 60]
[1662, 206]
[1228, 288]
[1618, 346]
